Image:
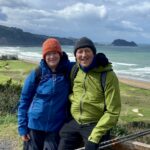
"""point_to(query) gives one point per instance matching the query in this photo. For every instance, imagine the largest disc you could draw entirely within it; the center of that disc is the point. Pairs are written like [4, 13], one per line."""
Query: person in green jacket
[94, 110]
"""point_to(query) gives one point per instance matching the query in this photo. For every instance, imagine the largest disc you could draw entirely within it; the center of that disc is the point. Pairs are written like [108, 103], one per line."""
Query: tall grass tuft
[9, 97]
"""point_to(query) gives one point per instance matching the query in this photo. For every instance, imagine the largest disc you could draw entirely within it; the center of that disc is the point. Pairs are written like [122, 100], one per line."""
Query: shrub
[9, 57]
[9, 96]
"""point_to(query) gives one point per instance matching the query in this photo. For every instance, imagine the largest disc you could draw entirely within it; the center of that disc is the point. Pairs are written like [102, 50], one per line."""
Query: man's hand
[91, 146]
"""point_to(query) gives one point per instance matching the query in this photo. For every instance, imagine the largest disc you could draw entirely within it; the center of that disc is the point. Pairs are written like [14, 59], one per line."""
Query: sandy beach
[135, 83]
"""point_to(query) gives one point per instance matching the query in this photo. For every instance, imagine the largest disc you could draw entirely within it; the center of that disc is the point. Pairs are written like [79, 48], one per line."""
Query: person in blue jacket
[43, 105]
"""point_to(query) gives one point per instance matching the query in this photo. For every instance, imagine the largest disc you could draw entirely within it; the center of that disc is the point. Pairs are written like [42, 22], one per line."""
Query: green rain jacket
[87, 101]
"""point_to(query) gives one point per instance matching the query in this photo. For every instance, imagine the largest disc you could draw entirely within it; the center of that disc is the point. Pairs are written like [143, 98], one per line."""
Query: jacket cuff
[22, 131]
[93, 139]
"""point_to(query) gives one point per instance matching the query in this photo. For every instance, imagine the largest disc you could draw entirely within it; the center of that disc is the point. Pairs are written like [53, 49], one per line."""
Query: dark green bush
[122, 130]
[9, 97]
[119, 130]
[9, 57]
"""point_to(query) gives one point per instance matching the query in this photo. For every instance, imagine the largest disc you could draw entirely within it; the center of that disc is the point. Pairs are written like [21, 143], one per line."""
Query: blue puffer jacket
[43, 106]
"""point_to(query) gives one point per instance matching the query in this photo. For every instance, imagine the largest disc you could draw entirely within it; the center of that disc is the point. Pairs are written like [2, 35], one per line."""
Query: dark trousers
[40, 140]
[73, 135]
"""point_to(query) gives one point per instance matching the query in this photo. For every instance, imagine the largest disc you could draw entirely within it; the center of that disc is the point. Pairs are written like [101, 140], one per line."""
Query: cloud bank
[102, 20]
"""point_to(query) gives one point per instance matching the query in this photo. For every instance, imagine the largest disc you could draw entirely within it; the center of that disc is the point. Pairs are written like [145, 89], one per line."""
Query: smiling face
[84, 56]
[52, 59]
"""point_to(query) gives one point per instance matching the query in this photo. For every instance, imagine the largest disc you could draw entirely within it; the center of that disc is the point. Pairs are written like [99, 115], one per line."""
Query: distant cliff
[121, 42]
[11, 36]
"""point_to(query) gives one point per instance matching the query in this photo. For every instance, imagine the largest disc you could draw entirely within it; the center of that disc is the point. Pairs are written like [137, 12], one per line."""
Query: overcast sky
[101, 20]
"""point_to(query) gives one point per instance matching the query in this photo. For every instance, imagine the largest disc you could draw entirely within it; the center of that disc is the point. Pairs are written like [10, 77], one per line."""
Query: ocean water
[128, 62]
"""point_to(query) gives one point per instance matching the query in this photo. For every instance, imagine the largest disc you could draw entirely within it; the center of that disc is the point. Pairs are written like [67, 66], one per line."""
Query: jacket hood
[102, 69]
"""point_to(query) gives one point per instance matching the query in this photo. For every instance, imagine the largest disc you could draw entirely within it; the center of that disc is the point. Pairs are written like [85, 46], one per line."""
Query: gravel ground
[7, 144]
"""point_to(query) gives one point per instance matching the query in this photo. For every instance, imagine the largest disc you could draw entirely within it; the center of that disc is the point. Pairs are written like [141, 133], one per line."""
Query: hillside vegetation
[122, 42]
[12, 36]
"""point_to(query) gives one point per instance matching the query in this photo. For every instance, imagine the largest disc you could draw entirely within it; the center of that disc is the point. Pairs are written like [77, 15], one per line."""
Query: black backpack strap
[103, 80]
[73, 73]
[38, 75]
[103, 76]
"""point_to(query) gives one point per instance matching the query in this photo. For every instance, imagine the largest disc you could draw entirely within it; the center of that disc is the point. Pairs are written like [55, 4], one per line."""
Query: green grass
[134, 98]
[131, 122]
[15, 70]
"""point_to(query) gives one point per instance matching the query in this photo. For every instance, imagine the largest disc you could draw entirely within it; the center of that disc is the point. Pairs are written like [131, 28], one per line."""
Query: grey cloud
[3, 16]
[80, 10]
[100, 20]
[13, 3]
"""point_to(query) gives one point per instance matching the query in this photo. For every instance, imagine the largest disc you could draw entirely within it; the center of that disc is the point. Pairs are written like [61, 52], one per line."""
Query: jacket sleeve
[113, 108]
[27, 94]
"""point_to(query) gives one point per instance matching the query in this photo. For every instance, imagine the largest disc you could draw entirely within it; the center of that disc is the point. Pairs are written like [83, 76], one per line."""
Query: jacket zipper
[51, 101]
[81, 100]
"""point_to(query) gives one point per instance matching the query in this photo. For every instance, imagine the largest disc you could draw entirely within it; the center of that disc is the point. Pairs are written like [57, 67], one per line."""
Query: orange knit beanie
[50, 45]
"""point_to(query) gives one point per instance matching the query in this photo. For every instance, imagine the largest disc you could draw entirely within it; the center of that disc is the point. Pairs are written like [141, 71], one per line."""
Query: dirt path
[7, 144]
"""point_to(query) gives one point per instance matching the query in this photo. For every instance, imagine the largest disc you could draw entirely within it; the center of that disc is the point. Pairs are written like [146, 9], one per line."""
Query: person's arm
[26, 97]
[113, 108]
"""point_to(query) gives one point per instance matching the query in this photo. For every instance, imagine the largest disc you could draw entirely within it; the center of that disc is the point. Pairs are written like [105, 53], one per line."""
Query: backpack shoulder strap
[103, 80]
[103, 76]
[38, 74]
[73, 73]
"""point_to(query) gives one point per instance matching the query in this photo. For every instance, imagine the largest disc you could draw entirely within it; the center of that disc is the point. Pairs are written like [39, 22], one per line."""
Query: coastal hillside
[11, 36]
[121, 42]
